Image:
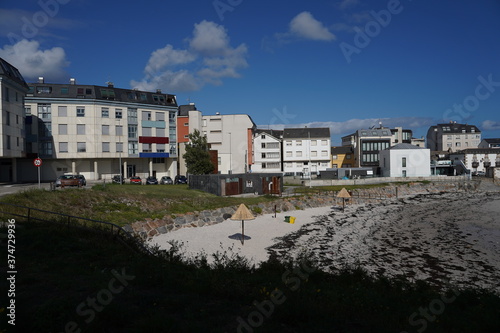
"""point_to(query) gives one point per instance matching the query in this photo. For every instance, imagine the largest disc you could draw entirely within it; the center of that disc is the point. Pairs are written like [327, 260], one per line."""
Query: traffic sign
[37, 162]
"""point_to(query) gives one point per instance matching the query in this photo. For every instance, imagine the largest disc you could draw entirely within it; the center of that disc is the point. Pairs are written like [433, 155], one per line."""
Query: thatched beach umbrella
[242, 213]
[343, 194]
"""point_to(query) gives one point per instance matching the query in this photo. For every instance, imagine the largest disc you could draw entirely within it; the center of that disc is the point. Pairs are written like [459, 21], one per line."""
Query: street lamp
[120, 152]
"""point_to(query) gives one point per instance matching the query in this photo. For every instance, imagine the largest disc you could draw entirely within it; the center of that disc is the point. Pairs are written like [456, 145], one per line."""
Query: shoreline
[446, 238]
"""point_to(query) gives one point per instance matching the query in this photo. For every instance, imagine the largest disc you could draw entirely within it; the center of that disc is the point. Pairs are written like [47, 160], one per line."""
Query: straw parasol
[242, 213]
[343, 194]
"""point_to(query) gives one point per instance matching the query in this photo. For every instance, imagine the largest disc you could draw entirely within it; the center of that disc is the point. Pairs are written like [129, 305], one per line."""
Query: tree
[197, 157]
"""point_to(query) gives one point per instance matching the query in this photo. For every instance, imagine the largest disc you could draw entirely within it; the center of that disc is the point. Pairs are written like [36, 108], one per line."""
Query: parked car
[166, 180]
[117, 179]
[151, 181]
[70, 180]
[136, 180]
[180, 179]
[81, 178]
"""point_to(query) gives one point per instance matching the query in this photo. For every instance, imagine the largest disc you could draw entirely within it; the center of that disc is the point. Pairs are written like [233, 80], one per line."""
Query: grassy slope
[59, 268]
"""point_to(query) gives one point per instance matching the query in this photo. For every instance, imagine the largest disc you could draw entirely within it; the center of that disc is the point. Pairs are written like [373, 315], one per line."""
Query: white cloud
[304, 25]
[491, 125]
[33, 62]
[209, 59]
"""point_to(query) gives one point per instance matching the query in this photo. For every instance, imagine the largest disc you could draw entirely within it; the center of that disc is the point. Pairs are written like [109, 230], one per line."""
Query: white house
[267, 150]
[306, 151]
[478, 159]
[405, 160]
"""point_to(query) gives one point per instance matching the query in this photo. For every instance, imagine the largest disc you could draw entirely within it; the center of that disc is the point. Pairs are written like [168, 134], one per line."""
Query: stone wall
[152, 227]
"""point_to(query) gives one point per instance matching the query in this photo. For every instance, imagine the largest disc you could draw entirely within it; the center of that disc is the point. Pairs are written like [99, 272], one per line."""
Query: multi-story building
[90, 130]
[12, 146]
[267, 152]
[306, 151]
[342, 157]
[453, 137]
[405, 160]
[490, 143]
[230, 135]
[367, 143]
[477, 159]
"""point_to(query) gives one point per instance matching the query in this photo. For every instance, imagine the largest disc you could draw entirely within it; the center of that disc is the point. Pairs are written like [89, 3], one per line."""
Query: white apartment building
[229, 135]
[89, 130]
[267, 155]
[12, 147]
[306, 151]
[478, 159]
[453, 137]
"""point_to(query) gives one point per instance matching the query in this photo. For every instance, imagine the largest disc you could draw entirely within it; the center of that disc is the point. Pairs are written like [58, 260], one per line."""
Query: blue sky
[344, 64]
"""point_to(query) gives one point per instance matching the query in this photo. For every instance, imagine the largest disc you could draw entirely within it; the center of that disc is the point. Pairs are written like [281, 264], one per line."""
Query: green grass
[60, 267]
[124, 204]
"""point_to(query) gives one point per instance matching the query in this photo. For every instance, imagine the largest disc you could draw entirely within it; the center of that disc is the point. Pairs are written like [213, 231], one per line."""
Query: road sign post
[38, 163]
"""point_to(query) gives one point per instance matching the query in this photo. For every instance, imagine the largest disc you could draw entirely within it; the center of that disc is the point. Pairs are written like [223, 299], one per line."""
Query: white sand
[262, 231]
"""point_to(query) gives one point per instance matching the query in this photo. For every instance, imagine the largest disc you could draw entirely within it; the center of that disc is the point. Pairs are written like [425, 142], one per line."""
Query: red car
[135, 180]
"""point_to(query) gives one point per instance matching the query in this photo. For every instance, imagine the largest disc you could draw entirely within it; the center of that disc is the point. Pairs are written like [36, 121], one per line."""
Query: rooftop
[341, 150]
[401, 146]
[453, 127]
[6, 69]
[306, 132]
[274, 133]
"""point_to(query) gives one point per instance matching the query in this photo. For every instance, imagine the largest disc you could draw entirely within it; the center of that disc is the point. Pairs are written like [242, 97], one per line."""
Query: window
[146, 115]
[404, 173]
[314, 153]
[105, 147]
[263, 136]
[8, 141]
[80, 129]
[158, 160]
[105, 129]
[160, 147]
[118, 113]
[79, 91]
[403, 162]
[88, 91]
[160, 116]
[299, 154]
[81, 147]
[263, 145]
[43, 90]
[6, 97]
[324, 142]
[132, 131]
[108, 93]
[348, 156]
[133, 148]
[64, 91]
[186, 124]
[27, 110]
[298, 142]
[119, 147]
[272, 165]
[63, 147]
[263, 155]
[147, 148]
[62, 111]
[44, 111]
[219, 161]
[457, 144]
[147, 131]
[335, 166]
[160, 132]
[80, 111]
[63, 129]
[288, 142]
[105, 112]
[324, 153]
[448, 144]
[132, 115]
[335, 157]
[288, 154]
[119, 130]
[7, 118]
[314, 143]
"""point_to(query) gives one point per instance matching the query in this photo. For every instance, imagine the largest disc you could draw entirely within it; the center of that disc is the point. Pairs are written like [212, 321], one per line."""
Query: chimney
[158, 91]
[110, 84]
[72, 81]
[40, 79]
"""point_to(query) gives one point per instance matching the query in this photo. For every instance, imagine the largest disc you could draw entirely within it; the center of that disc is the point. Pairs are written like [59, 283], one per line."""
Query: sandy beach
[443, 239]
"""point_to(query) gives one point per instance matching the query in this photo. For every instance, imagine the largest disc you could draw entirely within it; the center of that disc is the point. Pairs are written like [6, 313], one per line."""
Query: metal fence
[30, 214]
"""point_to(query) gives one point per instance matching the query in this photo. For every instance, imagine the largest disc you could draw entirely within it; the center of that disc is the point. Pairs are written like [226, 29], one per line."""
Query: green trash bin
[287, 219]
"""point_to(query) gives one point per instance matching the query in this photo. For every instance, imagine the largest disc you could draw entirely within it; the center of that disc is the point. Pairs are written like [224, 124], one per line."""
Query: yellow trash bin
[292, 219]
